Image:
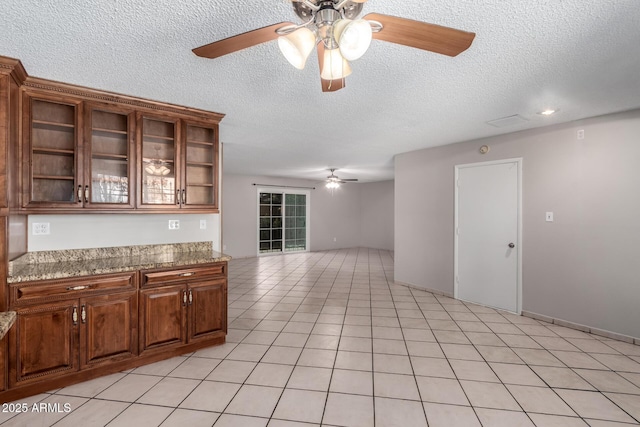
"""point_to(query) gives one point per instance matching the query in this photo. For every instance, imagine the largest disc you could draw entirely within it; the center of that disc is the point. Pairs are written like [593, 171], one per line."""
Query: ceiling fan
[333, 26]
[334, 182]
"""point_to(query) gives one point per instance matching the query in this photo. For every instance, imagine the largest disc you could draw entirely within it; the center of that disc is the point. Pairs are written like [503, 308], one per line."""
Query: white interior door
[488, 233]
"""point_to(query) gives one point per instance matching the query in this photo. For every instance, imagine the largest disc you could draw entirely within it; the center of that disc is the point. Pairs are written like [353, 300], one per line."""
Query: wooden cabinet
[178, 164]
[79, 154]
[84, 155]
[200, 170]
[160, 186]
[108, 328]
[52, 152]
[162, 317]
[70, 330]
[45, 342]
[52, 339]
[182, 306]
[109, 157]
[207, 309]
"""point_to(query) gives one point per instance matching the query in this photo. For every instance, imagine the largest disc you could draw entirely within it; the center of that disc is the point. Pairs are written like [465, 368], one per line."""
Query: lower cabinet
[57, 338]
[108, 328]
[70, 330]
[44, 341]
[182, 313]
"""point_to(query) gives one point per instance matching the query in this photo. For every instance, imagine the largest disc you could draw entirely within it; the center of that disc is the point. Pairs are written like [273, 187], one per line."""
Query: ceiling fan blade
[349, 179]
[421, 35]
[239, 42]
[328, 85]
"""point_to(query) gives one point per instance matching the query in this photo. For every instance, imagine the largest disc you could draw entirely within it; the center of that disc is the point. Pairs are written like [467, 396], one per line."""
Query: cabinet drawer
[161, 277]
[65, 288]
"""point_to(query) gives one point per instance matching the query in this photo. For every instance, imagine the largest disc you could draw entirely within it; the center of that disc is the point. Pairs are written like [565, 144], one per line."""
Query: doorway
[283, 218]
[487, 234]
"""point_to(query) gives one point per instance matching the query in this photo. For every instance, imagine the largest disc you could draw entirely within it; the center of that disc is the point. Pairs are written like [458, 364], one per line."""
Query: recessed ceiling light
[548, 112]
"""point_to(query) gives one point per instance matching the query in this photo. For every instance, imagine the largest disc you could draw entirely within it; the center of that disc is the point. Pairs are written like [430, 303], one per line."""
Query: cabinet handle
[79, 193]
[83, 314]
[186, 274]
[190, 297]
[74, 315]
[184, 196]
[79, 288]
[177, 197]
[86, 194]
[184, 298]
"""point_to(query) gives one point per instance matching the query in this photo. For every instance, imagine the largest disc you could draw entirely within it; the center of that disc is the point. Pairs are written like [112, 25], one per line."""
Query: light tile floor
[327, 338]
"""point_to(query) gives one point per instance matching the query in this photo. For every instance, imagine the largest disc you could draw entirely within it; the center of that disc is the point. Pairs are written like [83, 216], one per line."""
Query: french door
[283, 218]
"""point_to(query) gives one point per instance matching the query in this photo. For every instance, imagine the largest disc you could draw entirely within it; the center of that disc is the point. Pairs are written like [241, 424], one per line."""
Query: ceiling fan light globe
[353, 37]
[332, 185]
[297, 46]
[335, 67]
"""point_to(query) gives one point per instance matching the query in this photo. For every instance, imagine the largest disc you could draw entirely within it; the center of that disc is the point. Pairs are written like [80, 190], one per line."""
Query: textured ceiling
[581, 57]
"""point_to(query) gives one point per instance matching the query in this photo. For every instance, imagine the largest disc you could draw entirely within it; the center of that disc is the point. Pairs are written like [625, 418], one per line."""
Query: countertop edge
[7, 319]
[80, 272]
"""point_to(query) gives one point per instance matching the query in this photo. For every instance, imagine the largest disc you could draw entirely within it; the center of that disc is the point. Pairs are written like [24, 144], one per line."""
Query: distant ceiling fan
[334, 182]
[333, 26]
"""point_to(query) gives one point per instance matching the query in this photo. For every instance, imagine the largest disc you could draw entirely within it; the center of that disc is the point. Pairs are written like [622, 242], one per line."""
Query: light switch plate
[549, 217]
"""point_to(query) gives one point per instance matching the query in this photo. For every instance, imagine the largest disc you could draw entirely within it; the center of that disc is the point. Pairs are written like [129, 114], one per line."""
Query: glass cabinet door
[200, 166]
[158, 163]
[53, 152]
[110, 159]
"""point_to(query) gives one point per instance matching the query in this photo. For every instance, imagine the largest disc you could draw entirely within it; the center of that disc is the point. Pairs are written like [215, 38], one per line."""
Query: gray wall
[376, 215]
[336, 215]
[581, 267]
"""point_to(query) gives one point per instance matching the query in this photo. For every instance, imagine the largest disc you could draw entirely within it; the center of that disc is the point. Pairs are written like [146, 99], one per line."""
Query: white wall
[346, 214]
[376, 215]
[581, 267]
[80, 231]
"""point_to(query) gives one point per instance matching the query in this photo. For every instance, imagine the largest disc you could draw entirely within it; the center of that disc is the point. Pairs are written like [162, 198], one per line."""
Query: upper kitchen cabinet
[91, 151]
[160, 186]
[178, 164]
[108, 161]
[77, 155]
[52, 150]
[200, 167]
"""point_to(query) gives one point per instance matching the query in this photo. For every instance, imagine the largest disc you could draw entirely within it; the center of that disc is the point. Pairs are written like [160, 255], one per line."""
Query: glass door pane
[270, 223]
[53, 152]
[200, 174]
[296, 222]
[158, 162]
[109, 157]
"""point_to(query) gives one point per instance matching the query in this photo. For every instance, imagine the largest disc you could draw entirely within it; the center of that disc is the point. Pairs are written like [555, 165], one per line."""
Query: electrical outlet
[580, 134]
[203, 224]
[40, 228]
[174, 224]
[335, 240]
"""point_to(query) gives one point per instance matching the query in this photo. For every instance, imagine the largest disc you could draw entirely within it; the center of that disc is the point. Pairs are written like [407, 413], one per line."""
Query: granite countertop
[85, 262]
[7, 318]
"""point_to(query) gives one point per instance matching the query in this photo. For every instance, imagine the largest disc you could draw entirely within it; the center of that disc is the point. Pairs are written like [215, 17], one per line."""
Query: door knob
[511, 245]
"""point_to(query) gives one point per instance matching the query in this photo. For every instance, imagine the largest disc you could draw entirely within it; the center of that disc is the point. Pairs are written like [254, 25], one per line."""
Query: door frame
[518, 161]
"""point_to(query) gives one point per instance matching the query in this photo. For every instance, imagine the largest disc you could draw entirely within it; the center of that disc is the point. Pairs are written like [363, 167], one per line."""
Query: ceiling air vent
[516, 119]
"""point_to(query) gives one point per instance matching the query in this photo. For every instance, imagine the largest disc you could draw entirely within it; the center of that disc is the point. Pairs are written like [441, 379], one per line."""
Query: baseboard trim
[421, 288]
[543, 318]
[583, 328]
